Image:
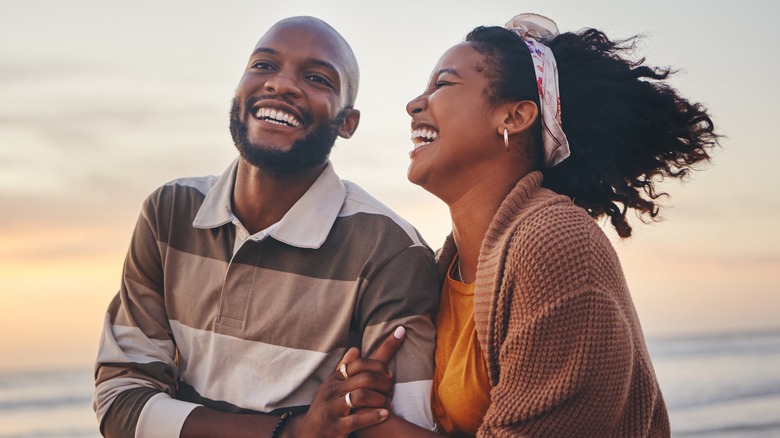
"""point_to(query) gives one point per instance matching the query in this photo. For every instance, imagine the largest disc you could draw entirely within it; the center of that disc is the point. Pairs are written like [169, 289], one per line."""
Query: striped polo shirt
[208, 315]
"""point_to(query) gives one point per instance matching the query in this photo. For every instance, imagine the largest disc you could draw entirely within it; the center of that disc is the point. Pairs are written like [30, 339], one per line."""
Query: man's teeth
[278, 117]
[421, 137]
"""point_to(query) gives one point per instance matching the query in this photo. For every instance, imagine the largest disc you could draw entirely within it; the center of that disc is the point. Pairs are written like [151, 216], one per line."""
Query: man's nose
[283, 85]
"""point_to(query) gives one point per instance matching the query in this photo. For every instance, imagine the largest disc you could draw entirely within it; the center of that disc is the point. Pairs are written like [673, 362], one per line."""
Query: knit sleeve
[564, 353]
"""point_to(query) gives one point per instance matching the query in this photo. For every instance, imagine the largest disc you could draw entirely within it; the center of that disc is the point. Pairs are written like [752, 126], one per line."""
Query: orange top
[461, 387]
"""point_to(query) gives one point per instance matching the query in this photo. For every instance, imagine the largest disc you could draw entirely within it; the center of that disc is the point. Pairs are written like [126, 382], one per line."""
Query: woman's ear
[518, 117]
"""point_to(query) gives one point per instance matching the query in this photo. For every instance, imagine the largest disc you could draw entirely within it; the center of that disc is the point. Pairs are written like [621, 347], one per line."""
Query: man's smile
[277, 116]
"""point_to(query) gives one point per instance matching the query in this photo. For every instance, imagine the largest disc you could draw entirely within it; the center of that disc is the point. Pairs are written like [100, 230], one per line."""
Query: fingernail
[399, 332]
[383, 413]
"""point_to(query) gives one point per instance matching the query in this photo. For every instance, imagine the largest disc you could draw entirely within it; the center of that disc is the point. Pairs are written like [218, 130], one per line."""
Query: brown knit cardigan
[561, 338]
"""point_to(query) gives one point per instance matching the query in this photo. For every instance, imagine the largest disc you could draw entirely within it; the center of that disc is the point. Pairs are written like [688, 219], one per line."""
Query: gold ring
[349, 401]
[343, 370]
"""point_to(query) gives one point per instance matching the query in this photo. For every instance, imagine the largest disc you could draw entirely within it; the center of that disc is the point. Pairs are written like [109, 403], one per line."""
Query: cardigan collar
[518, 203]
[513, 205]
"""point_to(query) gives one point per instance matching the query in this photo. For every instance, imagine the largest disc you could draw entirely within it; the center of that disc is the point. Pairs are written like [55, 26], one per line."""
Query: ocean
[721, 386]
[714, 386]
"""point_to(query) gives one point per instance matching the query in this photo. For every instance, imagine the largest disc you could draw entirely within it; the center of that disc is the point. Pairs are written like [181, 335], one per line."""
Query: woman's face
[454, 128]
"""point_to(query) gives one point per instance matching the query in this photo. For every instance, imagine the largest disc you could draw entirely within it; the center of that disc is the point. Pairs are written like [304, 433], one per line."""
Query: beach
[714, 386]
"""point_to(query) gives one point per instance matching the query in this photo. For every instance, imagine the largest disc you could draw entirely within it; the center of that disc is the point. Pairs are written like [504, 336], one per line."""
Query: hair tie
[533, 29]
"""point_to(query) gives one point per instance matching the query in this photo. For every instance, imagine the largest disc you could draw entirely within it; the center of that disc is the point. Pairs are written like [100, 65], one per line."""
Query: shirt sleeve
[405, 292]
[135, 371]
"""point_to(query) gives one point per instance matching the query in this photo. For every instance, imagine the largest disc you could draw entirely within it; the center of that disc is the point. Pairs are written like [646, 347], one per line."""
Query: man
[240, 294]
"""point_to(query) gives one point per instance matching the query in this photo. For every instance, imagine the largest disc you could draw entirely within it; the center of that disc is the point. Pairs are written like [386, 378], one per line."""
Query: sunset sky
[101, 102]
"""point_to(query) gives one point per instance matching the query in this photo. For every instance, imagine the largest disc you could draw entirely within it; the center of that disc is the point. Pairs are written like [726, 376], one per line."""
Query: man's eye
[320, 80]
[262, 65]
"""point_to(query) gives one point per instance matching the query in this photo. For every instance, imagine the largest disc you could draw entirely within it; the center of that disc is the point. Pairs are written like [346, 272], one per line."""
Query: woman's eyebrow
[451, 71]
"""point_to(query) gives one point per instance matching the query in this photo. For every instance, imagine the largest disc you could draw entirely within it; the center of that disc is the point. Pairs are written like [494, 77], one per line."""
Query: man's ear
[350, 123]
[518, 117]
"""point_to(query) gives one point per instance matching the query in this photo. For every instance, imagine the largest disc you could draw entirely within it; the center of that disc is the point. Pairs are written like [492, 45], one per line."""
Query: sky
[102, 102]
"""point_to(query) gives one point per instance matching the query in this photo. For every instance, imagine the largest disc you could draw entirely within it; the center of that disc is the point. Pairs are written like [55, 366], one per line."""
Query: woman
[528, 136]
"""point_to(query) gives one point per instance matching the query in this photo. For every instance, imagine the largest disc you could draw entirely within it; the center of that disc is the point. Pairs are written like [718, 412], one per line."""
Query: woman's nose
[416, 105]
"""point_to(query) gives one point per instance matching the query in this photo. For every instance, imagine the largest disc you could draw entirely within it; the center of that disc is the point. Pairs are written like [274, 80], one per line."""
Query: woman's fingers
[360, 366]
[351, 363]
[351, 355]
[363, 418]
[358, 393]
[391, 344]
[354, 396]
[366, 398]
[378, 380]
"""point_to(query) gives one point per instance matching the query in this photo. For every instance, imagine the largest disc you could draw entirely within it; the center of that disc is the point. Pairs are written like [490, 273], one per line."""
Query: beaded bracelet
[278, 428]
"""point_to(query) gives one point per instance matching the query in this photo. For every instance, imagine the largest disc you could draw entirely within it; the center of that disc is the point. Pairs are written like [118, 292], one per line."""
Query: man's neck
[261, 200]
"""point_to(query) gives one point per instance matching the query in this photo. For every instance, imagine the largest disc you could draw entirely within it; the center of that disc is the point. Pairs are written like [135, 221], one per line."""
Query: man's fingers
[391, 344]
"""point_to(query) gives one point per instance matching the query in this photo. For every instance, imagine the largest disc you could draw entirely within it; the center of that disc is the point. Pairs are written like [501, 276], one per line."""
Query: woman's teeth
[421, 137]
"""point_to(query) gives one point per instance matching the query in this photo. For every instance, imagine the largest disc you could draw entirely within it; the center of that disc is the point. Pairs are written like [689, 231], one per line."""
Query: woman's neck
[471, 216]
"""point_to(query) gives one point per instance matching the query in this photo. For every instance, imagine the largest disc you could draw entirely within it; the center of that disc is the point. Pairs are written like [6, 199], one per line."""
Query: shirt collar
[306, 225]
[216, 209]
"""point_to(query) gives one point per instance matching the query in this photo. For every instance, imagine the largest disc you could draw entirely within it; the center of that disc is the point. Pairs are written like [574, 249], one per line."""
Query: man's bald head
[330, 36]
[296, 96]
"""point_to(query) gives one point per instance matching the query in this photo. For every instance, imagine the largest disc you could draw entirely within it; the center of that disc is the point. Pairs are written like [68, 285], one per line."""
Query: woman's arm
[328, 414]
[394, 426]
[564, 347]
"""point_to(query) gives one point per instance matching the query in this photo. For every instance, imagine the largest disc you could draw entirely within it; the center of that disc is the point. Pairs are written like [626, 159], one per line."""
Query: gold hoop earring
[506, 139]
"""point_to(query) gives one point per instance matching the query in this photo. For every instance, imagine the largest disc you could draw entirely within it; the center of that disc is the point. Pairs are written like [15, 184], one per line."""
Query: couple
[241, 294]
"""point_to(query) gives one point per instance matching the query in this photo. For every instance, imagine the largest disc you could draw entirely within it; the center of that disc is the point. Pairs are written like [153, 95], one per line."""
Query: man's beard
[304, 154]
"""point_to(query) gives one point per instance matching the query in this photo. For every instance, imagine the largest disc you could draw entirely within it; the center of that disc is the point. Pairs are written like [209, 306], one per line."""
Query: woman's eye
[440, 84]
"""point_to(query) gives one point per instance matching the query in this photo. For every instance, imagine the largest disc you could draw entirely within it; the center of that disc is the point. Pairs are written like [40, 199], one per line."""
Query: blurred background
[102, 102]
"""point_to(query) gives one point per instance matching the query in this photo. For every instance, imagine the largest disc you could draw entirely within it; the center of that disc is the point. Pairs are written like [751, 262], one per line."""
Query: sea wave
[68, 433]
[45, 403]
[770, 428]
[730, 344]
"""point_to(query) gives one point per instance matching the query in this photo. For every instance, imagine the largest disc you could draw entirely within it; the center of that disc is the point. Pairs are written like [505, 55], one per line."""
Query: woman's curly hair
[627, 128]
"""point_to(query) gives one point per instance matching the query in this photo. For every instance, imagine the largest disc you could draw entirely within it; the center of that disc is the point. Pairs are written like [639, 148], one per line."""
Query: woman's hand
[369, 385]
[391, 344]
[366, 384]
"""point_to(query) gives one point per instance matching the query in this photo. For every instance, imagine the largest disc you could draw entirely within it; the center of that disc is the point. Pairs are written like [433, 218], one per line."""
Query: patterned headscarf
[533, 29]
